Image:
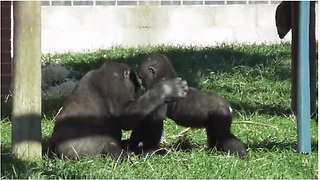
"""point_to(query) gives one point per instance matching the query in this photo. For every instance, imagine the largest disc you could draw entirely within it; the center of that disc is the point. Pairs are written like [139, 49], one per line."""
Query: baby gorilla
[198, 110]
[101, 105]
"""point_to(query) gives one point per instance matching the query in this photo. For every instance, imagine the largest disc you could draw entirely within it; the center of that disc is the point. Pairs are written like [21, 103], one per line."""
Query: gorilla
[101, 105]
[198, 110]
[283, 18]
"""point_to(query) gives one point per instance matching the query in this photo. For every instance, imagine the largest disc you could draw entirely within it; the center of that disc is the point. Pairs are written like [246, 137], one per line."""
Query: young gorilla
[198, 110]
[101, 105]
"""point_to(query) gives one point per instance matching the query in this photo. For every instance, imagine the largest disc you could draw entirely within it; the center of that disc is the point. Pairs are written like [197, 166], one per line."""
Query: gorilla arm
[166, 90]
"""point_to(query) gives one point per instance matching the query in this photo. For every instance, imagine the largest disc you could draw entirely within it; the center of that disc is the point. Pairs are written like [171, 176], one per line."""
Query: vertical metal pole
[303, 98]
[313, 64]
[294, 54]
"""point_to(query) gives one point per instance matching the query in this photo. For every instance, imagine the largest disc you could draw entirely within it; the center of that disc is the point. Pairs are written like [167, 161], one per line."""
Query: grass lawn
[255, 79]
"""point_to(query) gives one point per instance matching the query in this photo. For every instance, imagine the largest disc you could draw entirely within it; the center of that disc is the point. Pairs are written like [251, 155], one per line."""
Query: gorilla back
[198, 110]
[101, 104]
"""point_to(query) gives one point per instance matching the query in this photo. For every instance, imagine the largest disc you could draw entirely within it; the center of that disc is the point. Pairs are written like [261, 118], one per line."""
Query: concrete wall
[88, 28]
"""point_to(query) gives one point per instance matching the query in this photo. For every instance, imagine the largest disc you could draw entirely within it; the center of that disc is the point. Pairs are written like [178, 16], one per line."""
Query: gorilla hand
[173, 89]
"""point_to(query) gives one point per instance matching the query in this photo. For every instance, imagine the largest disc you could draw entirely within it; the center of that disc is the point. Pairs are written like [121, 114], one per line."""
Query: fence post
[313, 64]
[26, 109]
[303, 79]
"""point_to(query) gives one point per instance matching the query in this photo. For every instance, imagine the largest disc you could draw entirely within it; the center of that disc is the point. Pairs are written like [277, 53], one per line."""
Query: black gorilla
[101, 105]
[198, 110]
[283, 18]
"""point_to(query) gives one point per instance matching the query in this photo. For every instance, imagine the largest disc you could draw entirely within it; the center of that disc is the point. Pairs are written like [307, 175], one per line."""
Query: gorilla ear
[126, 73]
[152, 71]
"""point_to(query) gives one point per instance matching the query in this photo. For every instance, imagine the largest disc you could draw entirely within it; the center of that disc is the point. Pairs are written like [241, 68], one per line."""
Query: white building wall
[79, 28]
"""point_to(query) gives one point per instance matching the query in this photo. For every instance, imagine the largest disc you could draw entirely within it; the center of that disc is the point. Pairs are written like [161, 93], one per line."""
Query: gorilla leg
[219, 134]
[73, 144]
[94, 146]
[147, 136]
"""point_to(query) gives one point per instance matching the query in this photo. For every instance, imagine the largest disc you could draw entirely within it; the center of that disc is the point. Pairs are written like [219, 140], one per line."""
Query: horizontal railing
[153, 2]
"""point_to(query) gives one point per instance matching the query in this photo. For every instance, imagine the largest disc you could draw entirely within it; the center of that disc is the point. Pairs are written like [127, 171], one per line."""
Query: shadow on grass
[261, 109]
[50, 107]
[191, 63]
[270, 146]
[13, 167]
[186, 145]
[188, 62]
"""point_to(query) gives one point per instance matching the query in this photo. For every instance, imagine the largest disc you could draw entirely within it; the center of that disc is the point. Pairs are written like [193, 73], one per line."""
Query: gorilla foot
[233, 146]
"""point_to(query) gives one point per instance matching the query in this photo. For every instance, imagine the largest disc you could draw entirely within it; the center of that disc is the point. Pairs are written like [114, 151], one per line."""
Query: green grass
[255, 78]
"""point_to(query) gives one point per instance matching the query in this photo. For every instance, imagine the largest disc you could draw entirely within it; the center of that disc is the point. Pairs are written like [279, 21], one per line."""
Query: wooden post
[26, 110]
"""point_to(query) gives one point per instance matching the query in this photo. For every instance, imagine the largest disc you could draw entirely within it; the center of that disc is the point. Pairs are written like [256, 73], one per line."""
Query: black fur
[198, 110]
[101, 105]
